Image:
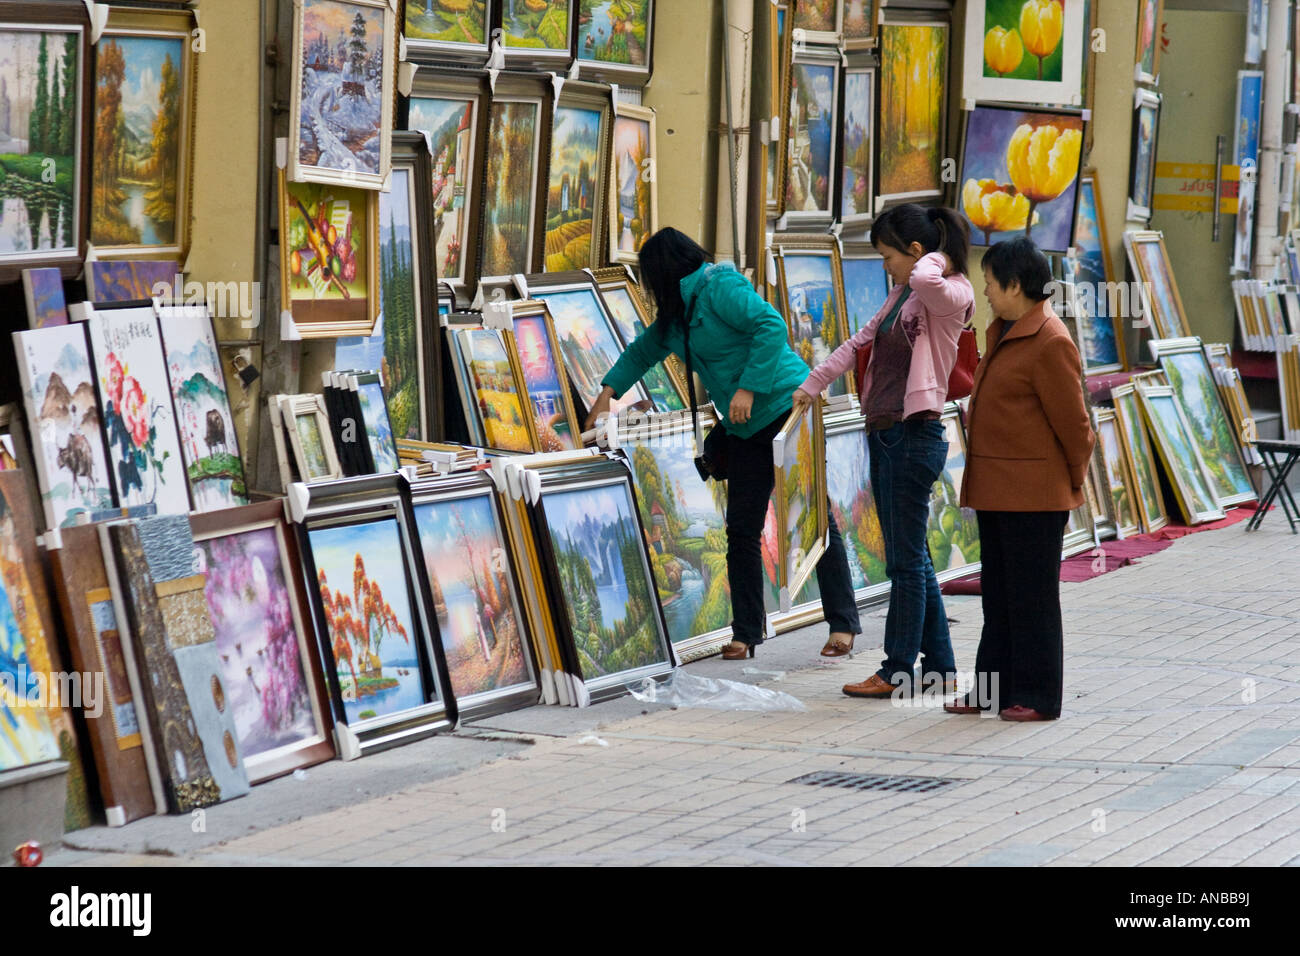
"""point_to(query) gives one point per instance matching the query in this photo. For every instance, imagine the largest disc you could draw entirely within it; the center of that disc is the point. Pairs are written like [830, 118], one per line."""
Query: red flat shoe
[962, 706]
[1022, 714]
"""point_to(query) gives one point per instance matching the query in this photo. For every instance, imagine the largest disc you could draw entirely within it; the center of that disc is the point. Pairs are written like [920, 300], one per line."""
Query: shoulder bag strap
[690, 375]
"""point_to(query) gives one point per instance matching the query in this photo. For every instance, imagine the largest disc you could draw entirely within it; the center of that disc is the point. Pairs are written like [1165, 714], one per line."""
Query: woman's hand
[742, 405]
[800, 400]
[599, 407]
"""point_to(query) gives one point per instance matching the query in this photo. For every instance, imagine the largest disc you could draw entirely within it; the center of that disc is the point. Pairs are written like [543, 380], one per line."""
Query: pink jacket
[933, 316]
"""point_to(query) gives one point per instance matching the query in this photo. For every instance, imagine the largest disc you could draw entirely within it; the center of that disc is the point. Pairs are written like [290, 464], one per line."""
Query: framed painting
[866, 283]
[449, 112]
[1161, 303]
[1119, 474]
[145, 76]
[446, 29]
[593, 549]
[685, 521]
[379, 427]
[198, 388]
[43, 291]
[952, 531]
[1250, 100]
[310, 437]
[1182, 460]
[1020, 175]
[405, 345]
[798, 451]
[857, 138]
[514, 204]
[497, 403]
[913, 106]
[817, 21]
[475, 588]
[1142, 175]
[98, 642]
[1079, 535]
[1087, 264]
[373, 611]
[589, 344]
[343, 81]
[1133, 434]
[812, 134]
[811, 288]
[132, 280]
[64, 420]
[1150, 16]
[853, 504]
[575, 206]
[1192, 379]
[254, 594]
[1256, 30]
[1243, 234]
[47, 85]
[537, 32]
[633, 188]
[554, 419]
[858, 23]
[328, 258]
[1102, 508]
[144, 452]
[666, 382]
[616, 40]
[1025, 52]
[780, 50]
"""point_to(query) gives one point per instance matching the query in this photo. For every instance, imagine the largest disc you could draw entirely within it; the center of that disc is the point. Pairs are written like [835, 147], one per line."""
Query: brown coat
[1029, 437]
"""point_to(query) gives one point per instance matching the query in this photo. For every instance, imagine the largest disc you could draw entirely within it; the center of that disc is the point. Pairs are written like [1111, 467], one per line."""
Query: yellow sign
[1189, 187]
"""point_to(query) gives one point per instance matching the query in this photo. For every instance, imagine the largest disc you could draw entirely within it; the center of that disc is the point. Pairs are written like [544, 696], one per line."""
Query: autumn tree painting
[138, 130]
[508, 199]
[913, 75]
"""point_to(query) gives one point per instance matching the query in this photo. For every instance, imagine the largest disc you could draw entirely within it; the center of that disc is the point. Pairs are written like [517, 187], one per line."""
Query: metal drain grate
[874, 781]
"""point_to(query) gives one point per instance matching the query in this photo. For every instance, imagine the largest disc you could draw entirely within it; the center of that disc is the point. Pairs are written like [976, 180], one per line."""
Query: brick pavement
[1179, 744]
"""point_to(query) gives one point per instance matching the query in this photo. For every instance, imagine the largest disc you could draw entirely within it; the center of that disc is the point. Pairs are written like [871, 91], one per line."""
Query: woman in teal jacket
[741, 350]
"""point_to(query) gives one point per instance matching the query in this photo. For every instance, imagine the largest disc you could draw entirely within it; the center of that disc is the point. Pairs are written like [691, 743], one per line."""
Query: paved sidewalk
[1179, 744]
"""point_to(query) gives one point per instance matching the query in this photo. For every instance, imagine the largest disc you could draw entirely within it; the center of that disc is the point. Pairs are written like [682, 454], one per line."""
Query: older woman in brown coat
[1029, 442]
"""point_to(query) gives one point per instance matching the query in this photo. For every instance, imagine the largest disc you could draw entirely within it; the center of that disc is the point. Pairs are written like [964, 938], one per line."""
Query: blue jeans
[905, 461]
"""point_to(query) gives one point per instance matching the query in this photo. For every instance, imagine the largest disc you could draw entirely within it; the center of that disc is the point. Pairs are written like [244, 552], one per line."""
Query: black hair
[667, 258]
[936, 228]
[1019, 260]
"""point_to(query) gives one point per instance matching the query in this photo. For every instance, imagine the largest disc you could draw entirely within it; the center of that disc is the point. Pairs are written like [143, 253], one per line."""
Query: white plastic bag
[686, 690]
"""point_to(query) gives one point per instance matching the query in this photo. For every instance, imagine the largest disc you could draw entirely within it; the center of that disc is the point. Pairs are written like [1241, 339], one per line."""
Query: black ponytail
[667, 258]
[936, 228]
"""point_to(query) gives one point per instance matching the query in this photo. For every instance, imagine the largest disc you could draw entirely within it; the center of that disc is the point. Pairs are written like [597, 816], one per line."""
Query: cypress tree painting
[39, 121]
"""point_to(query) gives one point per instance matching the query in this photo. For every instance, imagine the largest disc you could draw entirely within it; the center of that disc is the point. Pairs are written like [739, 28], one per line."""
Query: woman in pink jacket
[914, 347]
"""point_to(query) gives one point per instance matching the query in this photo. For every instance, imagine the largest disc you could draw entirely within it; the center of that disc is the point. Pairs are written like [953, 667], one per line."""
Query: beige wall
[1199, 80]
[227, 119]
[685, 93]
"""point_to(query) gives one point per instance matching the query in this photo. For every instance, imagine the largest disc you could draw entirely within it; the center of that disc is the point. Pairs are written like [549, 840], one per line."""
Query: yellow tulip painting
[1023, 39]
[913, 87]
[1020, 174]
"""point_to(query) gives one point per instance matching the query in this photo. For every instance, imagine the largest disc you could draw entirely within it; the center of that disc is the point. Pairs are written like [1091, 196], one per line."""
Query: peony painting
[1020, 175]
[145, 461]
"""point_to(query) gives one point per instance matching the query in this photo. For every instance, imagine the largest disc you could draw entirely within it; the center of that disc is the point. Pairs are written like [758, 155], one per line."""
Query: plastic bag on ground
[687, 690]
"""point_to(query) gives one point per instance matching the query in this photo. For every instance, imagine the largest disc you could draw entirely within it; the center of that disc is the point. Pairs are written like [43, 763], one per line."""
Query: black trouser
[1021, 654]
[751, 478]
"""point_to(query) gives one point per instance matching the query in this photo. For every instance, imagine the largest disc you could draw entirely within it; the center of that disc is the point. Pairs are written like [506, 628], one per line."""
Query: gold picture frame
[794, 305]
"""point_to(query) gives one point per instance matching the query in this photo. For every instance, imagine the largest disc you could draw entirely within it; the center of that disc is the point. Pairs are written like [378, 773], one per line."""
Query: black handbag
[711, 462]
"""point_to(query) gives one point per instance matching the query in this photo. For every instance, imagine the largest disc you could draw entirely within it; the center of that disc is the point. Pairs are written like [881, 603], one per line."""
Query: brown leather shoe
[1019, 713]
[737, 651]
[962, 705]
[873, 687]
[838, 648]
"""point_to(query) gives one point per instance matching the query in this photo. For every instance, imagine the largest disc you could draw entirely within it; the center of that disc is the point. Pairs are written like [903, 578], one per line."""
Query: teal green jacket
[737, 341]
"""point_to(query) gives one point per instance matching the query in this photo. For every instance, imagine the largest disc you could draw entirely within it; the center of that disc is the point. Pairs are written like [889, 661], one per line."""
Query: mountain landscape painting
[207, 431]
[450, 125]
[64, 417]
[598, 550]
[139, 125]
[40, 120]
[812, 310]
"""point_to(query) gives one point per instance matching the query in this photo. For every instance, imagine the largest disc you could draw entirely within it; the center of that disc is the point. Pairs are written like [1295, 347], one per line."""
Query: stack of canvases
[532, 173]
[1268, 316]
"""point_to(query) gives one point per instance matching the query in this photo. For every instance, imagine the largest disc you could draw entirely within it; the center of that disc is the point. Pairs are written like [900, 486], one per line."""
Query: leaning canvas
[63, 417]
